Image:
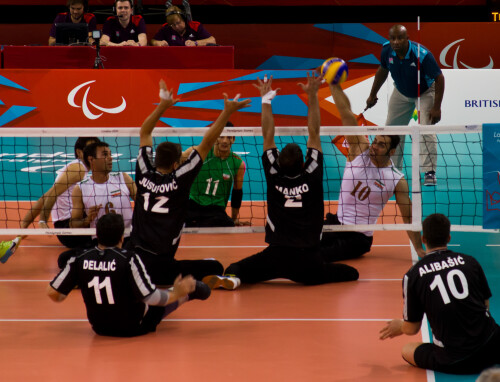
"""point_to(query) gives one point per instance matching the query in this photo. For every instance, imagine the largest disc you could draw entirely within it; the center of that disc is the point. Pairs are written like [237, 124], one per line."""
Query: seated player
[125, 28]
[163, 186]
[178, 31]
[295, 208]
[452, 290]
[77, 14]
[370, 179]
[117, 291]
[222, 171]
[102, 192]
[56, 200]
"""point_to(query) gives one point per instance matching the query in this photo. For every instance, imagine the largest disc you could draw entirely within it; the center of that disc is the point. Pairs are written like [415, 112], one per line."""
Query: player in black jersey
[118, 293]
[295, 207]
[452, 290]
[163, 194]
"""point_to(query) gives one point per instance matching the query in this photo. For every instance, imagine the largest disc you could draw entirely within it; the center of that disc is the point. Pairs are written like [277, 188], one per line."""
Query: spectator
[178, 31]
[77, 14]
[125, 28]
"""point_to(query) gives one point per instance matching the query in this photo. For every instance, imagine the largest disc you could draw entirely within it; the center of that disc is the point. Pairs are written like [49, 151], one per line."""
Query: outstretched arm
[267, 119]
[357, 143]
[313, 114]
[378, 81]
[166, 100]
[237, 196]
[404, 203]
[435, 112]
[217, 127]
[73, 174]
[397, 327]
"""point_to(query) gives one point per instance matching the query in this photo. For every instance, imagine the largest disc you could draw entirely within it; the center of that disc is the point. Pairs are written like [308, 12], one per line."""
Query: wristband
[196, 43]
[266, 98]
[236, 198]
[165, 94]
[42, 221]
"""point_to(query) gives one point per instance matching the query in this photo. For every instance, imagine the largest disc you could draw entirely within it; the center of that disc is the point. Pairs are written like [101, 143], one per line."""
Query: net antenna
[30, 159]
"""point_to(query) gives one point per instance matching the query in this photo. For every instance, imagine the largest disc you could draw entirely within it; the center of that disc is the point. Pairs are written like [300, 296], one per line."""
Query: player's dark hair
[91, 151]
[81, 142]
[395, 139]
[291, 159]
[167, 153]
[109, 229]
[436, 230]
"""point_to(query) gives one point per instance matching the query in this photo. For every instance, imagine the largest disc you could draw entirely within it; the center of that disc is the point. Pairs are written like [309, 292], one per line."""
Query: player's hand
[235, 104]
[371, 101]
[190, 43]
[92, 214]
[167, 96]
[313, 83]
[161, 43]
[184, 285]
[420, 252]
[43, 225]
[240, 223]
[265, 86]
[392, 329]
[435, 115]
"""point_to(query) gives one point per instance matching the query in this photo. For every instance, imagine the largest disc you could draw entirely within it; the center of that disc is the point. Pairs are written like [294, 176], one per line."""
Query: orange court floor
[274, 331]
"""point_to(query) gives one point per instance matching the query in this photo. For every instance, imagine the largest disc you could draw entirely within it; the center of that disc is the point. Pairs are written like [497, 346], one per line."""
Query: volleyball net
[31, 158]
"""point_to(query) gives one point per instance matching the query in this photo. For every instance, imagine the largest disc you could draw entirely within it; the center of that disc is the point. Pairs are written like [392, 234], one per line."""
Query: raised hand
[235, 104]
[167, 96]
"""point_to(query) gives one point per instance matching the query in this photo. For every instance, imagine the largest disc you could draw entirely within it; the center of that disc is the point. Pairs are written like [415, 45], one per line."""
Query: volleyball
[334, 70]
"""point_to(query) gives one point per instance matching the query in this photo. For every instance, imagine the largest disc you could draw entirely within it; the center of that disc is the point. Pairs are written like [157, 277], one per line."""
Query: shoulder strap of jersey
[136, 19]
[194, 25]
[88, 16]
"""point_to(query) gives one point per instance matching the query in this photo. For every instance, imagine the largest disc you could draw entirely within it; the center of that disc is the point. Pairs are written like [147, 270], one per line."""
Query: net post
[416, 191]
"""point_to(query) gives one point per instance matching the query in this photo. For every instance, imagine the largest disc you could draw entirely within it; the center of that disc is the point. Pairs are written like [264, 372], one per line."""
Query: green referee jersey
[213, 184]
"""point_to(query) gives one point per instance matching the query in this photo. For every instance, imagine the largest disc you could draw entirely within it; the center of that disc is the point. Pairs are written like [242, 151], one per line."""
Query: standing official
[400, 57]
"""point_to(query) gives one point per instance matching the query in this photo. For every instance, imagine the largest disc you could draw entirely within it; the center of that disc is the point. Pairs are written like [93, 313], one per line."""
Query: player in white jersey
[57, 199]
[370, 180]
[102, 192]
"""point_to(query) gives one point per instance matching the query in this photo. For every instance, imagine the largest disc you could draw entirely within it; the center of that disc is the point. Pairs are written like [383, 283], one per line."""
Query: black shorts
[70, 241]
[432, 357]
[207, 216]
[150, 321]
[337, 246]
[163, 269]
[302, 265]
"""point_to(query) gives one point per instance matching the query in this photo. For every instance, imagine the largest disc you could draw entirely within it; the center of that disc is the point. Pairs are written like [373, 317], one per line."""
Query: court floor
[272, 331]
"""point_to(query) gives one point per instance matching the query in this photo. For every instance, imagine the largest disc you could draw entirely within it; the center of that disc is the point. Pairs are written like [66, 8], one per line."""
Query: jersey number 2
[106, 285]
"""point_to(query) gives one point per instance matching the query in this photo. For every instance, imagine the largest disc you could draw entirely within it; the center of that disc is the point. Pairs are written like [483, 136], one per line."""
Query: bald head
[398, 38]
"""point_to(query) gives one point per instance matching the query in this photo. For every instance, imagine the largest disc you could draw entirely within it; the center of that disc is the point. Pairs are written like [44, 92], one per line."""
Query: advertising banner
[123, 98]
[491, 176]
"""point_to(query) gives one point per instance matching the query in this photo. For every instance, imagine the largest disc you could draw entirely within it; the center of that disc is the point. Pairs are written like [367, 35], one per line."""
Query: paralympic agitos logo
[85, 102]
[456, 61]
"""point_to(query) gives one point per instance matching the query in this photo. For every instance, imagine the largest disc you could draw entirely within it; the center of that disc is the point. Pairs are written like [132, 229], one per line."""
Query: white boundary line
[212, 320]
